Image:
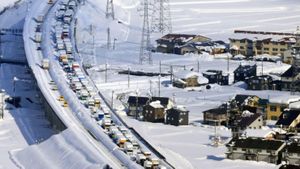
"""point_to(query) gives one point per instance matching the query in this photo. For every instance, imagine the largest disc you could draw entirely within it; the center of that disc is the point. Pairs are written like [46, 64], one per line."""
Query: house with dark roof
[154, 112]
[171, 43]
[136, 104]
[243, 72]
[251, 121]
[216, 116]
[246, 102]
[177, 115]
[216, 76]
[289, 119]
[259, 82]
[255, 149]
[290, 79]
[292, 154]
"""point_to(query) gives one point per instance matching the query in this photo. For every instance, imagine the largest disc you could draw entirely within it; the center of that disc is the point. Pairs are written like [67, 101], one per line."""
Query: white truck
[148, 165]
[128, 148]
[140, 158]
[45, 64]
[38, 37]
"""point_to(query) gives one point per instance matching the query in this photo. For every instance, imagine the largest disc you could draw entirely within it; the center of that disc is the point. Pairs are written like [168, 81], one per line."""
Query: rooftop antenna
[145, 50]
[161, 19]
[110, 9]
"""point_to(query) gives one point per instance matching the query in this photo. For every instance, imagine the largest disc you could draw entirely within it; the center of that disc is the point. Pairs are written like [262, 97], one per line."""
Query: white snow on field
[189, 146]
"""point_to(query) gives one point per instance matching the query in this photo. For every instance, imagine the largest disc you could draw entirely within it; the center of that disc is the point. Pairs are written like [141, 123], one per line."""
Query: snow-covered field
[189, 146]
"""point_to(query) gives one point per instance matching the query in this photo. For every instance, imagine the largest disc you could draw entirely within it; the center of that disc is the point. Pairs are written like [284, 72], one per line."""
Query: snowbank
[284, 99]
[71, 151]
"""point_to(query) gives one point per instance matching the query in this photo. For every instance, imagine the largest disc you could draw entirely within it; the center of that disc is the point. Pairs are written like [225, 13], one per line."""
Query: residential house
[259, 82]
[246, 102]
[171, 43]
[183, 79]
[289, 120]
[136, 103]
[154, 112]
[292, 56]
[177, 115]
[216, 76]
[216, 116]
[210, 47]
[251, 121]
[276, 106]
[255, 149]
[292, 154]
[252, 43]
[243, 72]
[290, 79]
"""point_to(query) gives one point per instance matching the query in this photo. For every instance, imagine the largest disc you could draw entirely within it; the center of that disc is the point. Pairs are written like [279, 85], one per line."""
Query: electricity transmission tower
[110, 9]
[161, 18]
[145, 50]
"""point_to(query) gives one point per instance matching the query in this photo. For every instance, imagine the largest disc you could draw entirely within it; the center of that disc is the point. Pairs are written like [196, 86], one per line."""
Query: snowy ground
[189, 146]
[26, 125]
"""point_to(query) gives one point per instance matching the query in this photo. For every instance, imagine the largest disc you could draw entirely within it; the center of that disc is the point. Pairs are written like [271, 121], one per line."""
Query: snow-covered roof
[276, 38]
[185, 74]
[240, 56]
[156, 104]
[295, 105]
[180, 107]
[202, 80]
[287, 99]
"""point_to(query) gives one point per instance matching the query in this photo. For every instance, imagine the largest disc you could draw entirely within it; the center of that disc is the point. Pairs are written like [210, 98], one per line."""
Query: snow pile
[65, 150]
[185, 74]
[285, 99]
[6, 4]
[156, 104]
[295, 105]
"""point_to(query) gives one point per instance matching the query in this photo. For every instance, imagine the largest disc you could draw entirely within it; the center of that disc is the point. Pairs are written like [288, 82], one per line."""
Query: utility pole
[159, 85]
[108, 39]
[105, 72]
[112, 99]
[114, 45]
[171, 70]
[145, 50]
[110, 9]
[128, 77]
[161, 19]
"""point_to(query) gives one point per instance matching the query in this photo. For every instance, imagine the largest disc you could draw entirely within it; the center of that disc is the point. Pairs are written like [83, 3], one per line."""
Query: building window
[274, 118]
[275, 49]
[273, 108]
[243, 149]
[242, 47]
[266, 48]
[243, 41]
[282, 50]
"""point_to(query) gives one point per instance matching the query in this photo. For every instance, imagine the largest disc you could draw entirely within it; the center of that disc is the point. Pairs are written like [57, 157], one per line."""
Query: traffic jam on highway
[83, 88]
